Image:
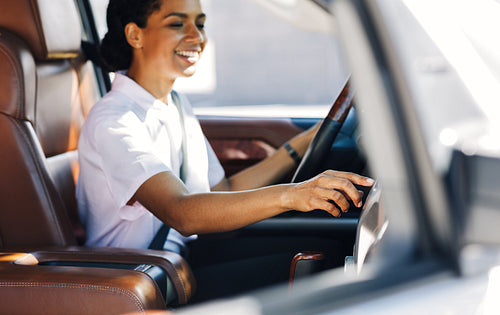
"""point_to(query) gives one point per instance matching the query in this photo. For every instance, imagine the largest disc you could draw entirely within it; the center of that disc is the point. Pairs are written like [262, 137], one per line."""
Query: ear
[133, 34]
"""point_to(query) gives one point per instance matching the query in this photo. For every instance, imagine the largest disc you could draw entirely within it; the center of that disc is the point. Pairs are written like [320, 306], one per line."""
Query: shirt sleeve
[124, 146]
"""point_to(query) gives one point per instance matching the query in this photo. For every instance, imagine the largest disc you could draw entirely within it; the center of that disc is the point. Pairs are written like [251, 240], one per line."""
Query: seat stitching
[140, 307]
[179, 277]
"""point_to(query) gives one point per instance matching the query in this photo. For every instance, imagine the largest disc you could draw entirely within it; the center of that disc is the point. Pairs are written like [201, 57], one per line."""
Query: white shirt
[128, 137]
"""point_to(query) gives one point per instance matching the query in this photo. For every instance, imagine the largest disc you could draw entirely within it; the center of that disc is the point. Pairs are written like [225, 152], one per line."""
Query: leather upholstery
[175, 266]
[46, 89]
[40, 24]
[72, 290]
[64, 169]
[17, 78]
[32, 211]
[58, 114]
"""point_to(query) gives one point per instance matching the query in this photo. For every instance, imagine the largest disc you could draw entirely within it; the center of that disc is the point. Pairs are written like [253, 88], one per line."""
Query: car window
[255, 58]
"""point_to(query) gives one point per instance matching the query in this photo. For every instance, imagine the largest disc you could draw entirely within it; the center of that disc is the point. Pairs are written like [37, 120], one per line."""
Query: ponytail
[115, 51]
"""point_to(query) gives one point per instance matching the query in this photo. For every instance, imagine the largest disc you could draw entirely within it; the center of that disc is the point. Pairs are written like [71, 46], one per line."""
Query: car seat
[46, 88]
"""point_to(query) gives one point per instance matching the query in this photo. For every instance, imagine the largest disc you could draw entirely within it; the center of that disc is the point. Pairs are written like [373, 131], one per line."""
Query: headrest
[51, 28]
[17, 77]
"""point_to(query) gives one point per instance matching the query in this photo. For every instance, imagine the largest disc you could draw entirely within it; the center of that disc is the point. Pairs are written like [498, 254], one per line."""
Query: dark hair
[115, 51]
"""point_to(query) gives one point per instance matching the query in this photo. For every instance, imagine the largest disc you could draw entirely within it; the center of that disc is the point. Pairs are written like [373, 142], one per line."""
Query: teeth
[189, 54]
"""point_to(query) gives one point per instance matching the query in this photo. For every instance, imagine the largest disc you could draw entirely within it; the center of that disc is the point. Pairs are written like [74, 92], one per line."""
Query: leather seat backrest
[46, 88]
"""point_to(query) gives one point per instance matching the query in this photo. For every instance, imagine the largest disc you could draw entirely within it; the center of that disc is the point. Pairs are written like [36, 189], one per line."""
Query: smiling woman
[168, 28]
[427, 102]
[227, 74]
[145, 162]
[170, 44]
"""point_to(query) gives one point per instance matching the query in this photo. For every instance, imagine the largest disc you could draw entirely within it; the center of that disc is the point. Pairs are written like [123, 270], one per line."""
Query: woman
[144, 159]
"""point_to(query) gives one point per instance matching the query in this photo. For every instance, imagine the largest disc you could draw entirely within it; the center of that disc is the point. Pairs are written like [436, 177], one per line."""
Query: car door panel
[241, 142]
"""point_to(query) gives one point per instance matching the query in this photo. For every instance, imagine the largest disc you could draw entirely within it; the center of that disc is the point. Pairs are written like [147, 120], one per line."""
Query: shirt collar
[125, 85]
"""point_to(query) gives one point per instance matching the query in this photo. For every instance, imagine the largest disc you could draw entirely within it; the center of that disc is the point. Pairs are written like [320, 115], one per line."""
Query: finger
[355, 178]
[361, 194]
[344, 185]
[335, 196]
[335, 212]
[328, 207]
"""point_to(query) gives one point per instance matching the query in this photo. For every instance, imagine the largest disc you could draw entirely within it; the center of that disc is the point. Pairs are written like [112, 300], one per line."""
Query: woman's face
[174, 38]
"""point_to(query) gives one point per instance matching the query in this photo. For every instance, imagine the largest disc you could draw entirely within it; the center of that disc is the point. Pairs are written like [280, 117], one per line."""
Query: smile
[189, 55]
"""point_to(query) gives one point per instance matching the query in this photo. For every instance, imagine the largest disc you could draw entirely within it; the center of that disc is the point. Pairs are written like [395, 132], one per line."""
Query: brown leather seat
[46, 89]
[41, 114]
[28, 288]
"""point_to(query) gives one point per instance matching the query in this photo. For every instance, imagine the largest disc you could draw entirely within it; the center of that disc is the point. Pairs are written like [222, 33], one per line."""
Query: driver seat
[46, 88]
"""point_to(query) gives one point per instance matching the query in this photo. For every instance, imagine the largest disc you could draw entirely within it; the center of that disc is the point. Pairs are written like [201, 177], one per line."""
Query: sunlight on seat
[19, 259]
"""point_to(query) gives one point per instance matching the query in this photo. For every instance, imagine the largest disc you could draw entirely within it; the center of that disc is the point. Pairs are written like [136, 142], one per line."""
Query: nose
[195, 34]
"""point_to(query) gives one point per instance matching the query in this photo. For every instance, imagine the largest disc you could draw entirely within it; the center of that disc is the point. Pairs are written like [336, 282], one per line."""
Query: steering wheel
[325, 136]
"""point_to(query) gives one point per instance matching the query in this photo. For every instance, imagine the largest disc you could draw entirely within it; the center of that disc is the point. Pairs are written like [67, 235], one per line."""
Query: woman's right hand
[330, 191]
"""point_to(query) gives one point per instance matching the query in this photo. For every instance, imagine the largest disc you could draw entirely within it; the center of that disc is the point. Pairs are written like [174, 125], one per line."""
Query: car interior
[49, 80]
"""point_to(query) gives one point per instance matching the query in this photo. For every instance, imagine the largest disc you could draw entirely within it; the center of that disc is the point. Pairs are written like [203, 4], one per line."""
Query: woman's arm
[169, 200]
[270, 170]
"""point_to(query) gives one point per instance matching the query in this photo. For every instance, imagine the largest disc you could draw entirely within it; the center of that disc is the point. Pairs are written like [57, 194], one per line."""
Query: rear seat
[46, 89]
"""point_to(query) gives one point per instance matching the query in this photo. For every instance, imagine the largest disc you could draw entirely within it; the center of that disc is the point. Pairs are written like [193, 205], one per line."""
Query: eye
[176, 25]
[200, 25]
